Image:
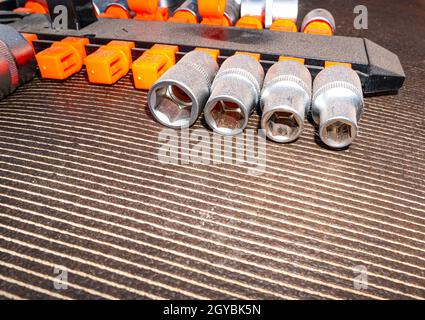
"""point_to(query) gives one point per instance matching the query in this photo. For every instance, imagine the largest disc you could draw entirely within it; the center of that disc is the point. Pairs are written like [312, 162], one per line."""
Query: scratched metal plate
[81, 186]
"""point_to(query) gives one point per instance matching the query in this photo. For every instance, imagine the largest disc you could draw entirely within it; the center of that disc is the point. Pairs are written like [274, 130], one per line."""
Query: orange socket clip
[284, 25]
[62, 59]
[256, 56]
[320, 22]
[212, 8]
[184, 16]
[148, 10]
[212, 12]
[214, 53]
[250, 22]
[152, 65]
[160, 15]
[30, 37]
[109, 63]
[143, 6]
[334, 63]
[115, 11]
[319, 27]
[285, 58]
[33, 6]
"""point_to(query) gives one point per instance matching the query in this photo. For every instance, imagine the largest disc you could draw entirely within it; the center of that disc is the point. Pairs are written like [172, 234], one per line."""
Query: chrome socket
[232, 11]
[190, 6]
[177, 99]
[280, 9]
[101, 5]
[319, 15]
[234, 94]
[9, 78]
[337, 105]
[253, 8]
[120, 3]
[169, 3]
[17, 60]
[285, 100]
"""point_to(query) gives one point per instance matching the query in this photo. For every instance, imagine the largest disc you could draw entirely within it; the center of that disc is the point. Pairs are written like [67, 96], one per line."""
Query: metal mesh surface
[81, 186]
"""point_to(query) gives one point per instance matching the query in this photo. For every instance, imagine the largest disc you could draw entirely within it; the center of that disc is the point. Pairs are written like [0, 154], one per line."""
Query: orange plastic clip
[184, 16]
[212, 12]
[214, 53]
[334, 63]
[62, 59]
[30, 37]
[152, 65]
[145, 6]
[33, 6]
[256, 56]
[285, 25]
[115, 11]
[250, 22]
[285, 58]
[109, 63]
[319, 27]
[148, 10]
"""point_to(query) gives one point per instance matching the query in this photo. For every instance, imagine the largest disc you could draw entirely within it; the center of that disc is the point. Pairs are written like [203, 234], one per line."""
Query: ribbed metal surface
[81, 186]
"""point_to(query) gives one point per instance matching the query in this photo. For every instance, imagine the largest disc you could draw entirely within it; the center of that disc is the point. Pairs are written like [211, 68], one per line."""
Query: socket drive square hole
[339, 133]
[227, 115]
[174, 104]
[283, 125]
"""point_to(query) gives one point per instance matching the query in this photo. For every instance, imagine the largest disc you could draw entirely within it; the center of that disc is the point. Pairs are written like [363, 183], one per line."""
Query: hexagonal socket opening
[173, 106]
[227, 117]
[283, 126]
[338, 133]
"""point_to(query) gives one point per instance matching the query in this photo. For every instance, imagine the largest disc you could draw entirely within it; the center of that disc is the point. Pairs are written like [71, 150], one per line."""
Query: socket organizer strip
[346, 68]
[379, 69]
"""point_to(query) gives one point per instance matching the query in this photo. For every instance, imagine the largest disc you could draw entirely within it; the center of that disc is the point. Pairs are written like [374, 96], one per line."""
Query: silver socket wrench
[235, 92]
[285, 100]
[17, 60]
[280, 9]
[177, 99]
[337, 105]
[319, 14]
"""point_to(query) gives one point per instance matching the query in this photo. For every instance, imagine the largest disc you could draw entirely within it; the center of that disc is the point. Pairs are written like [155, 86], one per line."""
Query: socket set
[280, 15]
[219, 59]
